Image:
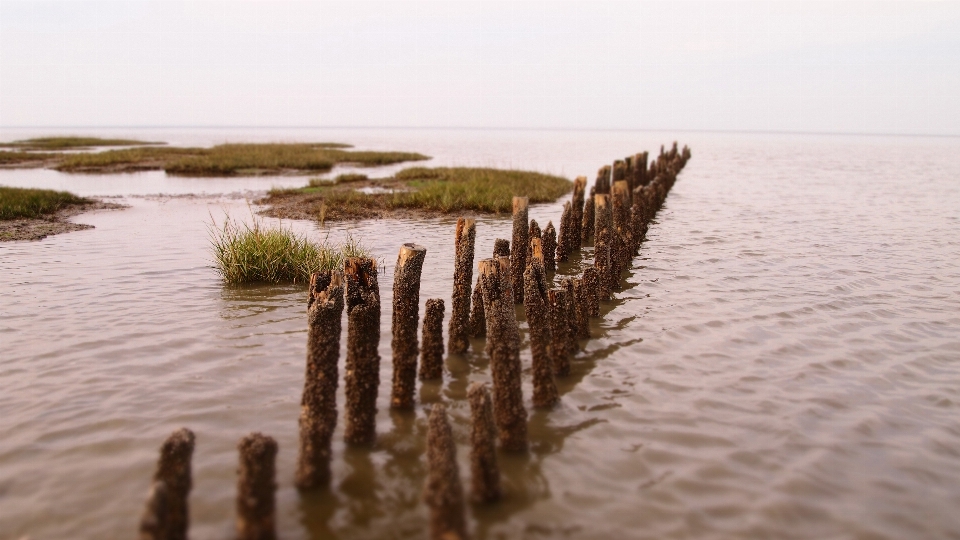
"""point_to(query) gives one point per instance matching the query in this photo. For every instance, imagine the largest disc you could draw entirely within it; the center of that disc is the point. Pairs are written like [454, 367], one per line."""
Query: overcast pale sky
[855, 67]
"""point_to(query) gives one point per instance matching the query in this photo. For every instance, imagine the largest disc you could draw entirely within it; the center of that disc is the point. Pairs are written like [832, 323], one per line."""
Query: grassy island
[34, 214]
[416, 191]
[71, 143]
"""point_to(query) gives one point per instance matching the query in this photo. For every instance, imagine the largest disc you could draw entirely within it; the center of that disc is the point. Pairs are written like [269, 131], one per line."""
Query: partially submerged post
[167, 514]
[586, 230]
[550, 248]
[485, 473]
[444, 492]
[362, 378]
[318, 406]
[256, 487]
[591, 284]
[570, 336]
[535, 233]
[603, 244]
[478, 323]
[576, 213]
[536, 305]
[582, 294]
[560, 328]
[620, 248]
[406, 317]
[431, 359]
[521, 239]
[602, 184]
[459, 331]
[503, 347]
[564, 242]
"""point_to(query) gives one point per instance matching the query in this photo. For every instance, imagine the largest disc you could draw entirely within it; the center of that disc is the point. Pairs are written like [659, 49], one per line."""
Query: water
[784, 361]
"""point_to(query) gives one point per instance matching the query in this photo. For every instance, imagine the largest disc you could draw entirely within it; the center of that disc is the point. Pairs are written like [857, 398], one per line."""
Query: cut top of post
[409, 251]
[520, 204]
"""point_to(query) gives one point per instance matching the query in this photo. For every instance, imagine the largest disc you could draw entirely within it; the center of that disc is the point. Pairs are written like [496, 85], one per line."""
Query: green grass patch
[68, 143]
[256, 253]
[12, 158]
[23, 203]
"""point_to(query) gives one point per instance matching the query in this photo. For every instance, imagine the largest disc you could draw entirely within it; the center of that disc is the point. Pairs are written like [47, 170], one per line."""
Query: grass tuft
[256, 253]
[23, 203]
[348, 178]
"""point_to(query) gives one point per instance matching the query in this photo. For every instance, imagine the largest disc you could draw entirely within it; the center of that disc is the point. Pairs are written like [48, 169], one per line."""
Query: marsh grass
[23, 203]
[14, 157]
[348, 178]
[257, 253]
[232, 159]
[71, 143]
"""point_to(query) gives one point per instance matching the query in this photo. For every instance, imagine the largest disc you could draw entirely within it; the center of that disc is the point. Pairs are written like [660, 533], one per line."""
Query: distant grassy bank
[221, 160]
[23, 203]
[417, 190]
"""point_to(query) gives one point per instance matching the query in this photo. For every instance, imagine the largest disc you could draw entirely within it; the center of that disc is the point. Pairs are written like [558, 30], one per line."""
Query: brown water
[783, 363]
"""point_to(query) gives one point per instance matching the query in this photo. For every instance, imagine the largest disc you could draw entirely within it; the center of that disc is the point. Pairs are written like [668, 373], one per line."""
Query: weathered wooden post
[167, 512]
[485, 477]
[318, 405]
[501, 247]
[431, 360]
[521, 239]
[564, 246]
[640, 170]
[362, 379]
[256, 487]
[444, 492]
[620, 254]
[535, 233]
[503, 347]
[536, 305]
[406, 317]
[576, 213]
[459, 331]
[559, 328]
[586, 228]
[602, 185]
[478, 323]
[591, 284]
[602, 245]
[550, 248]
[570, 337]
[582, 294]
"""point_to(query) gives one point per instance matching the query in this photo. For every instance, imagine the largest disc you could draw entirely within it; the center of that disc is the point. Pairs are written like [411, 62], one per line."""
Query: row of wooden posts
[616, 215]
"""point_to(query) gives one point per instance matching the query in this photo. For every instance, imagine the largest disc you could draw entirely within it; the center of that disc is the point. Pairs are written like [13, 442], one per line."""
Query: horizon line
[485, 128]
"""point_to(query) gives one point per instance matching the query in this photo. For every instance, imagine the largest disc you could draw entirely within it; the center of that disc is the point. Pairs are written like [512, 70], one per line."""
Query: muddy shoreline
[31, 229]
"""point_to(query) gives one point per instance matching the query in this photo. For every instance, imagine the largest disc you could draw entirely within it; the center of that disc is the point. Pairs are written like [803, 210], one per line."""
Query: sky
[823, 67]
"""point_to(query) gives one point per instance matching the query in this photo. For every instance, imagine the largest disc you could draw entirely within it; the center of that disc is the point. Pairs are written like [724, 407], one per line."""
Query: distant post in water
[485, 473]
[536, 306]
[550, 248]
[167, 514]
[564, 246]
[503, 347]
[602, 246]
[521, 239]
[576, 213]
[444, 492]
[459, 331]
[586, 230]
[318, 406]
[362, 379]
[406, 317]
[431, 359]
[256, 487]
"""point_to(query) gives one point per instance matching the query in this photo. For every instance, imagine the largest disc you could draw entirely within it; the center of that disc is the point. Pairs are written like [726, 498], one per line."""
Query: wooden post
[256, 487]
[582, 294]
[431, 360]
[485, 473]
[603, 244]
[535, 303]
[362, 379]
[570, 336]
[503, 347]
[576, 213]
[443, 493]
[478, 323]
[167, 513]
[591, 284]
[535, 233]
[586, 229]
[459, 331]
[406, 317]
[602, 184]
[564, 247]
[620, 251]
[559, 327]
[521, 239]
[501, 248]
[318, 405]
[550, 248]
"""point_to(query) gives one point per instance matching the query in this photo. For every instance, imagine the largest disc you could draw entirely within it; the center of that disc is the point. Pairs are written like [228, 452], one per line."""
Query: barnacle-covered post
[586, 228]
[564, 241]
[503, 348]
[406, 317]
[602, 257]
[521, 239]
[576, 213]
[582, 294]
[256, 488]
[318, 405]
[570, 336]
[591, 284]
[620, 249]
[536, 306]
[459, 331]
[167, 513]
[362, 379]
[485, 473]
[550, 248]
[559, 328]
[431, 359]
[444, 492]
[602, 185]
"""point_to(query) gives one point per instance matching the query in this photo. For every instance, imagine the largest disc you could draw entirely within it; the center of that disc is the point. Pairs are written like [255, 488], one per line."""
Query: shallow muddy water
[783, 361]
